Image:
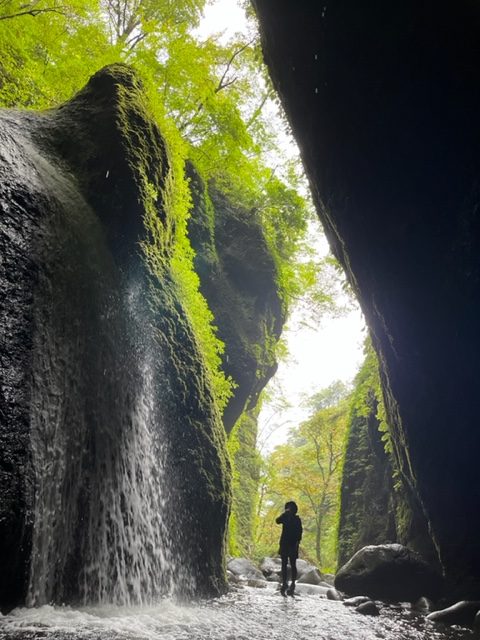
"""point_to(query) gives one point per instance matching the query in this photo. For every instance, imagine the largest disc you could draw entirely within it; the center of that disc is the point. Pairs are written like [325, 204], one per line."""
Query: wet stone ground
[246, 614]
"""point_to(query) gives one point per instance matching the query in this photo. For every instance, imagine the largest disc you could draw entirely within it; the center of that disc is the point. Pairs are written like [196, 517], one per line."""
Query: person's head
[291, 506]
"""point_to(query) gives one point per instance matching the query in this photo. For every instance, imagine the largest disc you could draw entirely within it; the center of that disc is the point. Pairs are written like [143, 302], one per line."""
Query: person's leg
[283, 588]
[293, 565]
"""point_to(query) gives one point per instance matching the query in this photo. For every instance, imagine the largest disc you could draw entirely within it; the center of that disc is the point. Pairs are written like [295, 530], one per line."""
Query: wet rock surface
[249, 613]
[388, 572]
[461, 613]
[244, 568]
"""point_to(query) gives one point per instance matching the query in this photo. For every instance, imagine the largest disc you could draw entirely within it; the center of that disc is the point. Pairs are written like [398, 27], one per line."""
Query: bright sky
[319, 355]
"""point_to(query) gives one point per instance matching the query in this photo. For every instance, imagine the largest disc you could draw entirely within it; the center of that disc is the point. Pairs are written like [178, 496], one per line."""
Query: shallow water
[248, 614]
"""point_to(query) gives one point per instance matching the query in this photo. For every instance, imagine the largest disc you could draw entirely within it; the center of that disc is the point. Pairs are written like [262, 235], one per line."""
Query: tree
[329, 397]
[133, 21]
[307, 469]
[48, 55]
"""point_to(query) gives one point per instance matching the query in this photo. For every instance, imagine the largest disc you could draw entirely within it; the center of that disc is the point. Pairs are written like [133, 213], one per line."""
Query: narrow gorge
[145, 287]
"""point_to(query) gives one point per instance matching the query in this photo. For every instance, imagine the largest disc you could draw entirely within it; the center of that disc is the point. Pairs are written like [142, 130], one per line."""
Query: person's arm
[281, 518]
[300, 529]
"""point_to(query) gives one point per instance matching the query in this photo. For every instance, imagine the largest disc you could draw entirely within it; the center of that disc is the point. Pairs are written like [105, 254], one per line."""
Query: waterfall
[103, 500]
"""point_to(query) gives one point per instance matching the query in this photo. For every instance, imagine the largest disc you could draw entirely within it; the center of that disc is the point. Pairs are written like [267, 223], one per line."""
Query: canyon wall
[383, 100]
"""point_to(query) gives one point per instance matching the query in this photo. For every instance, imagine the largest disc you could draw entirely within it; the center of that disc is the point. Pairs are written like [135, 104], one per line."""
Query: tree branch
[257, 111]
[222, 83]
[35, 12]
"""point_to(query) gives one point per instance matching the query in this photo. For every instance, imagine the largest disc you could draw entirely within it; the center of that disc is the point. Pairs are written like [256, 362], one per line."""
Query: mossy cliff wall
[92, 318]
[375, 506]
[238, 278]
[367, 510]
[383, 100]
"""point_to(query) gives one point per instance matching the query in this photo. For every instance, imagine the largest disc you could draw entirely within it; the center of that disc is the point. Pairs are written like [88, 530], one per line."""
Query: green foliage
[329, 397]
[246, 470]
[368, 389]
[47, 56]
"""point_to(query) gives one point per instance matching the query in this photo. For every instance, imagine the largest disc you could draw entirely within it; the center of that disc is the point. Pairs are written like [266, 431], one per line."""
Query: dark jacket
[291, 533]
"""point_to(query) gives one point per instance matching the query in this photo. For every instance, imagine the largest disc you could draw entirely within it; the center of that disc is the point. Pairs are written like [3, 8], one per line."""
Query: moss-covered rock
[376, 507]
[367, 511]
[242, 446]
[238, 278]
[100, 341]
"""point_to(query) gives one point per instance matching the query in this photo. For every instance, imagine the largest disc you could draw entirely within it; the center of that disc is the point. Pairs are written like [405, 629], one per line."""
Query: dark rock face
[367, 512]
[238, 278]
[104, 404]
[383, 100]
[388, 572]
[18, 278]
[373, 510]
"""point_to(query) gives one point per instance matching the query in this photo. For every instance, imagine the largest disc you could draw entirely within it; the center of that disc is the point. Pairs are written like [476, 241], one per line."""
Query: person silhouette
[289, 543]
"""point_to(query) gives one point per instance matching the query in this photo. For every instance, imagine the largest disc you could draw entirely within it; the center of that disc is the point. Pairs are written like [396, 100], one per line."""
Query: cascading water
[99, 448]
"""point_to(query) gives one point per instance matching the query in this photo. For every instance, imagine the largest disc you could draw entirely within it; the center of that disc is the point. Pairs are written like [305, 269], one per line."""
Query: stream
[246, 614]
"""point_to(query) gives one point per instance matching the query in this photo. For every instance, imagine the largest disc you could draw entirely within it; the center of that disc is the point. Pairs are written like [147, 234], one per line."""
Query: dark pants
[291, 555]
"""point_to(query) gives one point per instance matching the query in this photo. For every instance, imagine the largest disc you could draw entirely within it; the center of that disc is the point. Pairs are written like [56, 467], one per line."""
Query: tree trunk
[318, 533]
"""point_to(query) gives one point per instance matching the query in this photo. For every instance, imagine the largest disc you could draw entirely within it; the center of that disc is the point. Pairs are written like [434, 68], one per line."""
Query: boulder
[272, 578]
[271, 568]
[423, 605]
[388, 572]
[304, 567]
[355, 601]
[368, 608]
[258, 584]
[333, 594]
[462, 613]
[476, 625]
[311, 577]
[244, 568]
[232, 578]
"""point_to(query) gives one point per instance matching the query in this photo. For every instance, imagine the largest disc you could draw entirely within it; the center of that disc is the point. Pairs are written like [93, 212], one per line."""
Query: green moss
[377, 505]
[238, 277]
[367, 509]
[246, 472]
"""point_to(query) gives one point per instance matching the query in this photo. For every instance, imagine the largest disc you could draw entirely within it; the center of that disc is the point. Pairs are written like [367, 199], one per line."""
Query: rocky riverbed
[245, 613]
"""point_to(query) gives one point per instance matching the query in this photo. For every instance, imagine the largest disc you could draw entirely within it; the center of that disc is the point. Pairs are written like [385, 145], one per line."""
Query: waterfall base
[250, 613]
